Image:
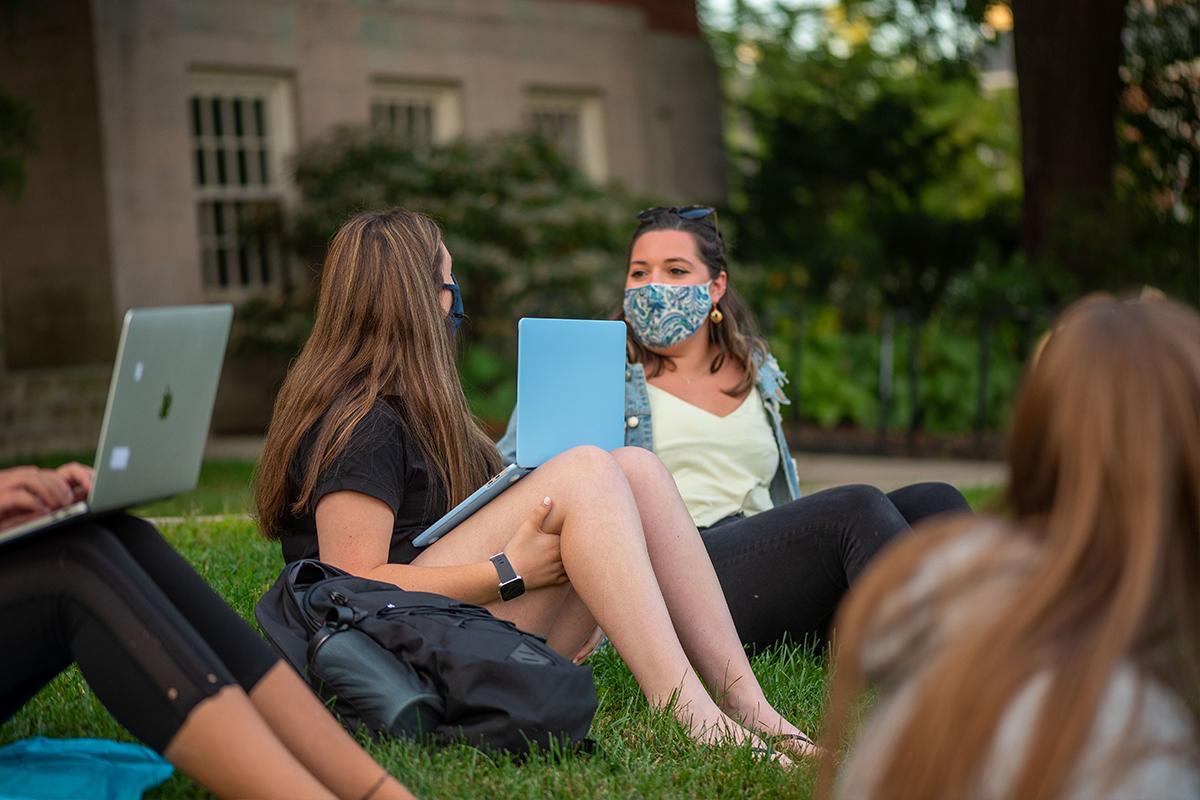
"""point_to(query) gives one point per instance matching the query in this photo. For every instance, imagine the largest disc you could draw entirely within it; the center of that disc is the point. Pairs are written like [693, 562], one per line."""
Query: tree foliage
[1158, 127]
[854, 108]
[871, 174]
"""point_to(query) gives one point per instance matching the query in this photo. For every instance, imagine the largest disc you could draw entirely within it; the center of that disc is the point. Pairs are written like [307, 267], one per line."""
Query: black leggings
[151, 637]
[784, 571]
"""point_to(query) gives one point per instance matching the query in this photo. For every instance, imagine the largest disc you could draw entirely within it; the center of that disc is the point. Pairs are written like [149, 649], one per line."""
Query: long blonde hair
[1104, 476]
[380, 331]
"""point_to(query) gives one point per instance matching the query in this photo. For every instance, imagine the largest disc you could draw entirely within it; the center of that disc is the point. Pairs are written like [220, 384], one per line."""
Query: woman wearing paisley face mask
[703, 391]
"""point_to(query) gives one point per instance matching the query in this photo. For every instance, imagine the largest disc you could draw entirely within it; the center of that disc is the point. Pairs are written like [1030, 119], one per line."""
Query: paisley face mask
[663, 315]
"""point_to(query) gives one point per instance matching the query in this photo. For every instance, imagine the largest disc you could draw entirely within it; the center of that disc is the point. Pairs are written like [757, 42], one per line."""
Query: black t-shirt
[381, 460]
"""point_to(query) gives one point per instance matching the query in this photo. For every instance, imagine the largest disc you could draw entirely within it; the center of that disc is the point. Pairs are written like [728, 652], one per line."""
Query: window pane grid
[563, 129]
[237, 204]
[410, 119]
[239, 244]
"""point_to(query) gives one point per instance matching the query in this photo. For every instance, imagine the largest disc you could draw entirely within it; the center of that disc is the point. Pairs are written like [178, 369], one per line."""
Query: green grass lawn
[643, 754]
[224, 488]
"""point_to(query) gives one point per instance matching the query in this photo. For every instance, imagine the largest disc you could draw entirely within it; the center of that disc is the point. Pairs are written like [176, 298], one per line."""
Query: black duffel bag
[420, 665]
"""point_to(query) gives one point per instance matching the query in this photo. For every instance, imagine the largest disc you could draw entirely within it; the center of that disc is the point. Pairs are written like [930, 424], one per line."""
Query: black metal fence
[910, 369]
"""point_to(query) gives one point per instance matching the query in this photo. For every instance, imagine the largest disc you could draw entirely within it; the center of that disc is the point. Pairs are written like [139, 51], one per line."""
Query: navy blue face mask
[457, 315]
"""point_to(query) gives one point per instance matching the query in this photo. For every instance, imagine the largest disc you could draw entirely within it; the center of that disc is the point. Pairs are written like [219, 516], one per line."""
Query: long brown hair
[1104, 478]
[380, 331]
[736, 336]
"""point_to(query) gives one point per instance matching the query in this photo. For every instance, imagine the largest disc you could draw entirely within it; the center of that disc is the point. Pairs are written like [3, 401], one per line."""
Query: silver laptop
[570, 392]
[160, 402]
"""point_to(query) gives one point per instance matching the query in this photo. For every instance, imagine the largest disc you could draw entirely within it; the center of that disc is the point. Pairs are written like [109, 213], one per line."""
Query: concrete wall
[56, 410]
[494, 50]
[55, 258]
[147, 171]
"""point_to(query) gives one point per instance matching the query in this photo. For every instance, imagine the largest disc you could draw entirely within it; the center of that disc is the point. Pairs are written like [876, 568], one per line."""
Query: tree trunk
[1067, 56]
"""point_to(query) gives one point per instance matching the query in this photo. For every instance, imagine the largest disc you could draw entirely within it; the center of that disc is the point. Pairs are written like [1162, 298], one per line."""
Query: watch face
[510, 590]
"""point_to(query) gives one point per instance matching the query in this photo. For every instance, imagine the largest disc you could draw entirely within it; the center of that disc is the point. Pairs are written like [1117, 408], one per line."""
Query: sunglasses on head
[693, 213]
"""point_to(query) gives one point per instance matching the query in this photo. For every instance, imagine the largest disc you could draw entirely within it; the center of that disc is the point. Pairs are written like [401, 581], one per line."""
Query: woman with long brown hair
[1055, 651]
[372, 441]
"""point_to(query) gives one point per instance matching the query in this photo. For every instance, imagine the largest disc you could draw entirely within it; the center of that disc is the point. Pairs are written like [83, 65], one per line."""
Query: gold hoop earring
[716, 316]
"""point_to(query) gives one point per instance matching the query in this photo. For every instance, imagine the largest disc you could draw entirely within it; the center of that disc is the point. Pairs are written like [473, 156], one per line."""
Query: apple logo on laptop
[166, 404]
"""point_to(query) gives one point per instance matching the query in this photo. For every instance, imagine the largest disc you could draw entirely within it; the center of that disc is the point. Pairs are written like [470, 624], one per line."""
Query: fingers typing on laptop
[79, 477]
[28, 491]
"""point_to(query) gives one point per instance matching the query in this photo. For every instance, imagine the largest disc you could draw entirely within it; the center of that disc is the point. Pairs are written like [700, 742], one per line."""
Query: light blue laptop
[570, 392]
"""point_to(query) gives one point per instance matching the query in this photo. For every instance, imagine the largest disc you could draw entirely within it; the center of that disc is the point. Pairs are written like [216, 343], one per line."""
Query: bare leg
[572, 625]
[316, 739]
[604, 552]
[693, 594]
[225, 745]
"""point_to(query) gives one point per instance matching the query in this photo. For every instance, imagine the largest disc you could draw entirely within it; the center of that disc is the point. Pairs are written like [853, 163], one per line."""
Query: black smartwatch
[512, 585]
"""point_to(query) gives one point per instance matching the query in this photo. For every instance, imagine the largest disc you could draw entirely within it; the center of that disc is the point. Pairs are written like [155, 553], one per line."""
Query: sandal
[774, 756]
[806, 749]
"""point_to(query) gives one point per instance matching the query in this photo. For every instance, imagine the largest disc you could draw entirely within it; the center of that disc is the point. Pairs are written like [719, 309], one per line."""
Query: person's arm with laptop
[28, 491]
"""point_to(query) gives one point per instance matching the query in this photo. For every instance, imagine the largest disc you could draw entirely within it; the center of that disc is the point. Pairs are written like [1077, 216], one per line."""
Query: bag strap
[299, 577]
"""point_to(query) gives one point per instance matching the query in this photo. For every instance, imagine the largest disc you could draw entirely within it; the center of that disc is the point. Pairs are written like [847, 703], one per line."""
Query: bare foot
[718, 728]
[756, 714]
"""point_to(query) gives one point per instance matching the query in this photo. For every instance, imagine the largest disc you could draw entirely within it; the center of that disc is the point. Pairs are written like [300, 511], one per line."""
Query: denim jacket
[785, 486]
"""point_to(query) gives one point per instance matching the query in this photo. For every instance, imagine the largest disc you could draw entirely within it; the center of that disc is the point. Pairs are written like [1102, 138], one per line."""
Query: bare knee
[582, 474]
[640, 465]
[586, 458]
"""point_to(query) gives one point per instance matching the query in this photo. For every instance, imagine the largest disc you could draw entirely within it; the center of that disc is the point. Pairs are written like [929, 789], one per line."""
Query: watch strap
[504, 568]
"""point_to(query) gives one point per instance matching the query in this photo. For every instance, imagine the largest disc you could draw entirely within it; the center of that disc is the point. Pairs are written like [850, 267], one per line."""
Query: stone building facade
[163, 123]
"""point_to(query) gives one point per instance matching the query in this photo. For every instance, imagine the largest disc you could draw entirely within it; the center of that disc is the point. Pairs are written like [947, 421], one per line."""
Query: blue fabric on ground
[78, 769]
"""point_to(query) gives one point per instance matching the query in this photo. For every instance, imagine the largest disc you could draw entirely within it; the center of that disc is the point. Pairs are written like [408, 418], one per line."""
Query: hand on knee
[535, 554]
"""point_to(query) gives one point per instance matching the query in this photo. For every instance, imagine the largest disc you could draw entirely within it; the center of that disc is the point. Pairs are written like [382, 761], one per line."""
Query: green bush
[835, 369]
[529, 236]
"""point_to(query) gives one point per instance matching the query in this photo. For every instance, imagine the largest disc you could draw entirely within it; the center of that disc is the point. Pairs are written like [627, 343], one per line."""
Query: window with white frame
[241, 131]
[421, 113]
[574, 122]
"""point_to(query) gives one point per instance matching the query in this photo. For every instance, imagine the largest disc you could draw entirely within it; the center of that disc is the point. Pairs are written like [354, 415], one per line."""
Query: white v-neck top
[722, 465]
